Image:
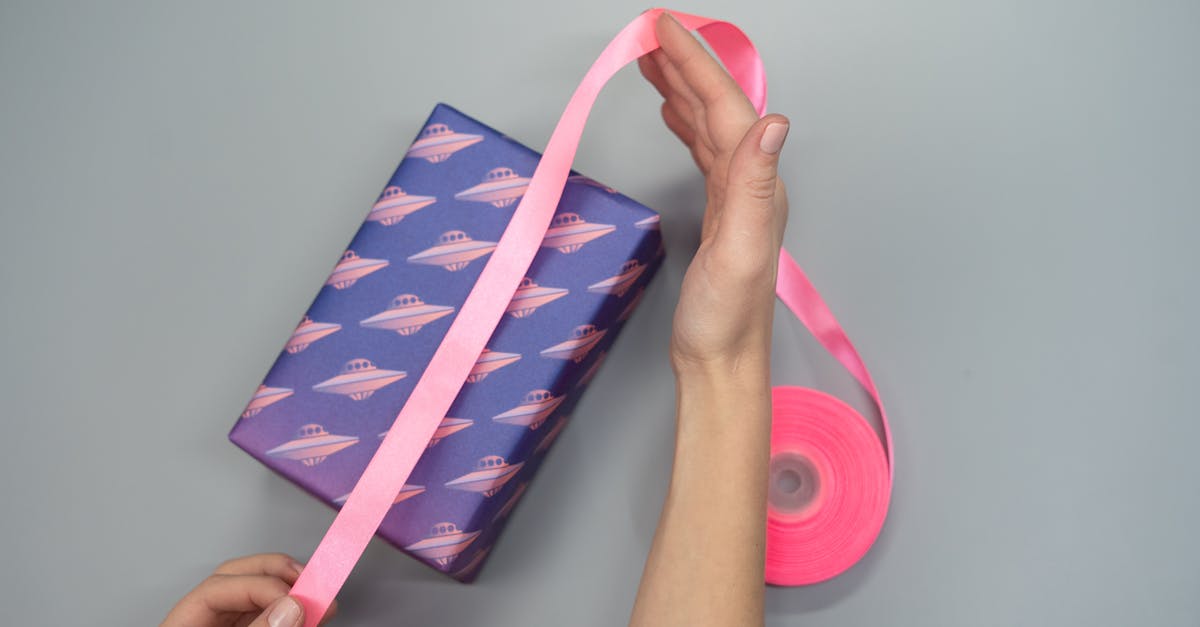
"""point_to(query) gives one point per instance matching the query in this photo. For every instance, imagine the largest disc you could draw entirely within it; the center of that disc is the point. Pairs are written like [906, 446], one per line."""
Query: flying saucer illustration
[533, 410]
[508, 506]
[473, 564]
[620, 282]
[443, 543]
[490, 474]
[312, 445]
[500, 186]
[406, 315]
[583, 339]
[490, 361]
[454, 250]
[649, 224]
[447, 427]
[579, 178]
[591, 372]
[394, 204]
[551, 435]
[359, 379]
[437, 142]
[308, 332]
[568, 232]
[406, 492]
[633, 303]
[529, 296]
[352, 268]
[265, 396]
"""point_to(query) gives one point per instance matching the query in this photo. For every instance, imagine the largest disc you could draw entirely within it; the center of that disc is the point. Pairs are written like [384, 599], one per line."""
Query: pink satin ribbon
[854, 471]
[437, 388]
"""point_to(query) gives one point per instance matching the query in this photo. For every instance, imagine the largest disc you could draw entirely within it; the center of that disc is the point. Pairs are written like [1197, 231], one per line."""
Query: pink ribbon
[437, 388]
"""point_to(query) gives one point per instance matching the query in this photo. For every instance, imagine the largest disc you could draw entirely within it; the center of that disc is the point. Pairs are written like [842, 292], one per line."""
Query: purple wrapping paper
[349, 366]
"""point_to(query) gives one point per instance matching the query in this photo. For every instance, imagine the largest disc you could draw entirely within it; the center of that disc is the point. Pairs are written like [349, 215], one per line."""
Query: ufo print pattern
[394, 204]
[348, 367]
[500, 186]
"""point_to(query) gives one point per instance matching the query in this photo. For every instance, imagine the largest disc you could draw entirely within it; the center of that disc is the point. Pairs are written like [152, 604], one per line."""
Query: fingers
[673, 90]
[225, 595]
[755, 209]
[677, 113]
[678, 125]
[681, 99]
[700, 152]
[273, 564]
[250, 590]
[699, 91]
[649, 69]
[676, 86]
[685, 103]
[284, 612]
[240, 593]
[701, 72]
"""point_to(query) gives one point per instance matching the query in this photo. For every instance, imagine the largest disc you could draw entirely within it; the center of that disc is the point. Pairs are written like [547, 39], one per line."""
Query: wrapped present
[350, 364]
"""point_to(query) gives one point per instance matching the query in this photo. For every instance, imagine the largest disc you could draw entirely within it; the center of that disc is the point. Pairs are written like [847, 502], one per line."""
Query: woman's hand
[705, 566]
[723, 320]
[249, 591]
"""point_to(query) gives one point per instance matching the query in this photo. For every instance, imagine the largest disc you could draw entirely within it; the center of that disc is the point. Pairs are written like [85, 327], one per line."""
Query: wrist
[723, 387]
[724, 416]
[746, 370]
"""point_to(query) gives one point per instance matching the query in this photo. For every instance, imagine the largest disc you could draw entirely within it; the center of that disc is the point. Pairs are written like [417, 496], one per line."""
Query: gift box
[349, 366]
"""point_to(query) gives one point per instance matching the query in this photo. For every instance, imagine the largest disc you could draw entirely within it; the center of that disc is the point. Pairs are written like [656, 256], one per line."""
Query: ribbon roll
[447, 371]
[828, 490]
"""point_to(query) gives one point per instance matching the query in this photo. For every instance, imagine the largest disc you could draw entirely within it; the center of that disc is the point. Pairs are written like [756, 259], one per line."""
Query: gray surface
[1000, 201]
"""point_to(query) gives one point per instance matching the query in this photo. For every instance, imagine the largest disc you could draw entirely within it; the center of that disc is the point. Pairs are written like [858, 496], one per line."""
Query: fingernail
[286, 613]
[297, 566]
[773, 137]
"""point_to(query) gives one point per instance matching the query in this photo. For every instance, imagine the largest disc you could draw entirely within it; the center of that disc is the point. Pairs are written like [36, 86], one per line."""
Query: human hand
[726, 302]
[249, 591]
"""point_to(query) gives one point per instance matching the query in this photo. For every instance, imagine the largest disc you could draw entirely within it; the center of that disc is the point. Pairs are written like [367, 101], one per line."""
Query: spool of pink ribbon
[831, 477]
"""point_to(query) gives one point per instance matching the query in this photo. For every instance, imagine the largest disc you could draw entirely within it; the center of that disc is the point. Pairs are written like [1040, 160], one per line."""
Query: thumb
[754, 210]
[284, 612]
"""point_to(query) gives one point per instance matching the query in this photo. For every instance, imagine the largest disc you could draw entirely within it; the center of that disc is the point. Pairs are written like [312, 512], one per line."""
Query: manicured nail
[773, 137]
[286, 613]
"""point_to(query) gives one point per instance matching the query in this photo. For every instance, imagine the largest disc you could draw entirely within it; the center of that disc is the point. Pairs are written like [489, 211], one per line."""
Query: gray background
[1000, 200]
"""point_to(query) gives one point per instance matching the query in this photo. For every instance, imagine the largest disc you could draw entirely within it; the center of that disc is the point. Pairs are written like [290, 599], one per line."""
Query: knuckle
[759, 186]
[278, 587]
[687, 63]
[204, 587]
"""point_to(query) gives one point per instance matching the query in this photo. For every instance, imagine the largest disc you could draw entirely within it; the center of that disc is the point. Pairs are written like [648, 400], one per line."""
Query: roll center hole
[788, 481]
[793, 484]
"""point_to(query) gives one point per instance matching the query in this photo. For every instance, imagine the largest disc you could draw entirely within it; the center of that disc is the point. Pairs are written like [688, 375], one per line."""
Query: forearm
[705, 567]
